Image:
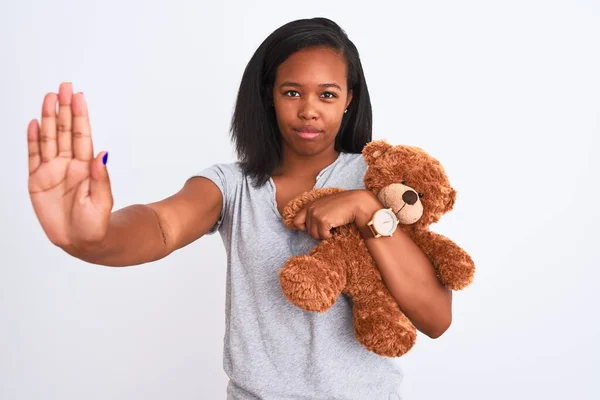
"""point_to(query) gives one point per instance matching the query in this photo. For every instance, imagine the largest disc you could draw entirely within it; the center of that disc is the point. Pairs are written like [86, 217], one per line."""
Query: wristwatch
[383, 223]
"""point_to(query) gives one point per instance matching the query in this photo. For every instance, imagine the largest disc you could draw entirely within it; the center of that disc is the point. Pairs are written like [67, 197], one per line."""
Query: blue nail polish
[105, 158]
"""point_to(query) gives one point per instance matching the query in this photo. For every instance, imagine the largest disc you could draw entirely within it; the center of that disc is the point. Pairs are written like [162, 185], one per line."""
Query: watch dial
[384, 222]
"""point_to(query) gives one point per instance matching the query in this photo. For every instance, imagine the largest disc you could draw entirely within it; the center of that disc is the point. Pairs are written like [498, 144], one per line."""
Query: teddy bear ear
[451, 200]
[374, 149]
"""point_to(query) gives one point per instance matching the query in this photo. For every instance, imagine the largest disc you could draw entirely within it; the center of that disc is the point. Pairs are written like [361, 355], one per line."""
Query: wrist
[366, 206]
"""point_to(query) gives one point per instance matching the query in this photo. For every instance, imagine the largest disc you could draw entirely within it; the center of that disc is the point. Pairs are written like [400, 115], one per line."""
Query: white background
[506, 94]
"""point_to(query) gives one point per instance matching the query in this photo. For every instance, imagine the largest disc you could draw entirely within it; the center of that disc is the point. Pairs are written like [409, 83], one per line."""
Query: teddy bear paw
[384, 336]
[457, 276]
[311, 284]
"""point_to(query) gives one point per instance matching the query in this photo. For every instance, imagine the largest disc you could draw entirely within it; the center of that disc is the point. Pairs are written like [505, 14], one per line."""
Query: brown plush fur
[415, 186]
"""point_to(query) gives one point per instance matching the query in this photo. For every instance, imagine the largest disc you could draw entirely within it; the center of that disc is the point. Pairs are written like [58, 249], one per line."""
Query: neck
[293, 164]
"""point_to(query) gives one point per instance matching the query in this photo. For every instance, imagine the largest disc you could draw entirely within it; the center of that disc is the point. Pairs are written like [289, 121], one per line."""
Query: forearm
[408, 275]
[135, 236]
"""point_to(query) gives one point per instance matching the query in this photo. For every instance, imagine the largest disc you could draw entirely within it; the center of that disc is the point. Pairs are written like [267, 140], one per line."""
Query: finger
[82, 133]
[100, 191]
[300, 220]
[312, 226]
[324, 229]
[33, 145]
[64, 125]
[48, 129]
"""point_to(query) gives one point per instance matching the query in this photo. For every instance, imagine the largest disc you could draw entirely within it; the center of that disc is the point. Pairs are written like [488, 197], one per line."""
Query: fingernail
[105, 158]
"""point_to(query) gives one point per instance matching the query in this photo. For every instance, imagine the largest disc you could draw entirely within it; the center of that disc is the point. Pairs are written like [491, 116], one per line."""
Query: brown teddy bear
[415, 186]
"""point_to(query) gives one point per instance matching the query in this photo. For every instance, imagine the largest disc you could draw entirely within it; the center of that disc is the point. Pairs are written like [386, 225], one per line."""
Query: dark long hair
[254, 129]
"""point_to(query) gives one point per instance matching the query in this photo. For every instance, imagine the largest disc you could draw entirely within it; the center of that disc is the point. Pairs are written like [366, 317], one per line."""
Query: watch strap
[367, 231]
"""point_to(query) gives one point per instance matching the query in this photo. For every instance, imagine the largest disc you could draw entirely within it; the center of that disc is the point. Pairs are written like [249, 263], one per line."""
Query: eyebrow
[325, 85]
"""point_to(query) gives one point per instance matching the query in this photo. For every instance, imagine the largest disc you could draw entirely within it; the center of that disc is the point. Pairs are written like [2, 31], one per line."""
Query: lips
[308, 132]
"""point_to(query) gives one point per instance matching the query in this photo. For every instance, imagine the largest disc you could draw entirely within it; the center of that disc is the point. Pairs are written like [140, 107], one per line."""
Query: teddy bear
[414, 185]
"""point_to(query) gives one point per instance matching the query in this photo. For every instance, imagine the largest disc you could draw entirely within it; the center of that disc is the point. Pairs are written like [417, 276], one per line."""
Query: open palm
[69, 188]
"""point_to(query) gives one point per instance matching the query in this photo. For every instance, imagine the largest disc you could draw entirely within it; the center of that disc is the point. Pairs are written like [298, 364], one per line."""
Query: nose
[308, 110]
[410, 197]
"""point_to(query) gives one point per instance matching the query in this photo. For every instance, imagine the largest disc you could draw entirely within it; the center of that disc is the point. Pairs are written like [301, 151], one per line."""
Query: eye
[403, 182]
[291, 91]
[329, 95]
[421, 195]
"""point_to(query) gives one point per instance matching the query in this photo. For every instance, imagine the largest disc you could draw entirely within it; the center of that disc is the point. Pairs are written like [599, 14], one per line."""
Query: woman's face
[310, 95]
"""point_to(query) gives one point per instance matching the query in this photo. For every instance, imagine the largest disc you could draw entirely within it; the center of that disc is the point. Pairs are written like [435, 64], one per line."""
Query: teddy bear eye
[421, 195]
[403, 182]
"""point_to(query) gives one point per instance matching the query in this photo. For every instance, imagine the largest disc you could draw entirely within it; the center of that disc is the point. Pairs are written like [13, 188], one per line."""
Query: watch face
[384, 222]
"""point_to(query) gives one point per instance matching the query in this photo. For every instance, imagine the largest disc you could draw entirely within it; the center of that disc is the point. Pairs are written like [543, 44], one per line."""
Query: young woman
[302, 117]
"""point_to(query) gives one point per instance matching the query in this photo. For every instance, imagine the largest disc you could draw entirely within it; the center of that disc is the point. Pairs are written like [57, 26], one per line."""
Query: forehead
[313, 66]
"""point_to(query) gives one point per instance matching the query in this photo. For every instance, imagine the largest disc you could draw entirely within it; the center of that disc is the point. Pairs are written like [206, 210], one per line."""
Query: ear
[374, 149]
[348, 99]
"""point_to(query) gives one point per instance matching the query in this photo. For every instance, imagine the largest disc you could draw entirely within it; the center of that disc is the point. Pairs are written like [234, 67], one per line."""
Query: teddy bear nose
[410, 197]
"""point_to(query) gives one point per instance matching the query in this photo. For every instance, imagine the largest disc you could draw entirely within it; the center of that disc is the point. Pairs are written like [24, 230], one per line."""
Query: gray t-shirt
[274, 350]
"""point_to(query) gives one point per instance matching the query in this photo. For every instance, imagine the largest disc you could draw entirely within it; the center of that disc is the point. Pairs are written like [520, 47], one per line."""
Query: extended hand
[69, 187]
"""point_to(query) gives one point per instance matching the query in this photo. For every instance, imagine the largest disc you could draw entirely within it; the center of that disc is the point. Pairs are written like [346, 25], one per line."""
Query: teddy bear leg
[381, 326]
[313, 282]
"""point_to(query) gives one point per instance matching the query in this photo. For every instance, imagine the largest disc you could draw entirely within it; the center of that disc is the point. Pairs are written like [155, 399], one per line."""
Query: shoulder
[350, 170]
[227, 172]
[353, 163]
[226, 176]
[232, 168]
[354, 160]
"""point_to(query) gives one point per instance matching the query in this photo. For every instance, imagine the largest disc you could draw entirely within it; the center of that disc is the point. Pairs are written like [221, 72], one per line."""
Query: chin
[305, 151]
[311, 149]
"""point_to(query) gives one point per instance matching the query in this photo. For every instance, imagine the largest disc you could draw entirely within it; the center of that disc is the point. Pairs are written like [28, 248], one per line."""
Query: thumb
[100, 191]
[300, 220]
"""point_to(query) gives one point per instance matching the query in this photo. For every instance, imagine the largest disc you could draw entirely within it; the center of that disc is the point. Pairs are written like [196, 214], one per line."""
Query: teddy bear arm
[454, 266]
[297, 204]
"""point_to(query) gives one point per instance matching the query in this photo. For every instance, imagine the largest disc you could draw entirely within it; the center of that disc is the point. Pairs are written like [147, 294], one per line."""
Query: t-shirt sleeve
[225, 177]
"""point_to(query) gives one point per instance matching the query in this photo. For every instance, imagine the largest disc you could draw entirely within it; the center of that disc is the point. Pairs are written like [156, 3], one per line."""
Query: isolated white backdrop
[506, 94]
